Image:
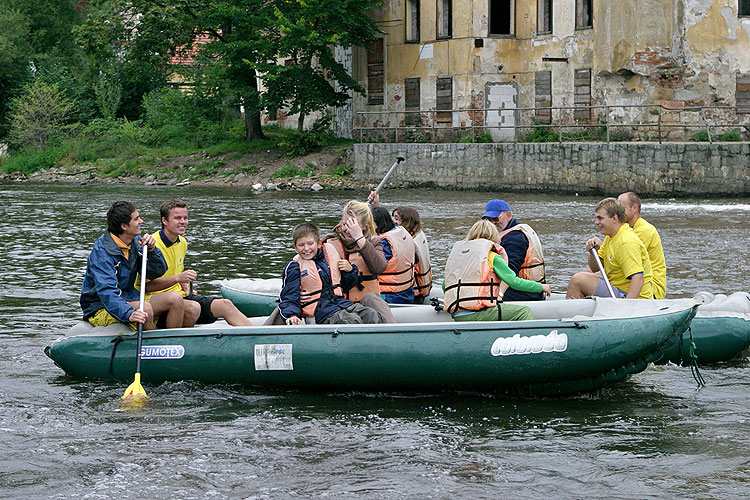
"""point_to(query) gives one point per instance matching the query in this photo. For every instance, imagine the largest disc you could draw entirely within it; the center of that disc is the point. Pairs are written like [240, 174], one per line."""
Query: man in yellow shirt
[170, 240]
[623, 255]
[648, 234]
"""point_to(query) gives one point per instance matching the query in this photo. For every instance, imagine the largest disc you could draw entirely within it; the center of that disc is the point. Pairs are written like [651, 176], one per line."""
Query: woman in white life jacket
[354, 239]
[397, 281]
[408, 218]
[475, 268]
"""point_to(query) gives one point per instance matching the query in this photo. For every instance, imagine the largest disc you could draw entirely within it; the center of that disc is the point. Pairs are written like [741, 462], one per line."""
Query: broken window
[412, 99]
[584, 14]
[412, 21]
[444, 18]
[375, 71]
[582, 98]
[544, 16]
[444, 94]
[543, 96]
[502, 13]
[742, 94]
[743, 8]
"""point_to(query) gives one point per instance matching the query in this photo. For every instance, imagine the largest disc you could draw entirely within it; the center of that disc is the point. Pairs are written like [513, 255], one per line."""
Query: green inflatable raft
[574, 346]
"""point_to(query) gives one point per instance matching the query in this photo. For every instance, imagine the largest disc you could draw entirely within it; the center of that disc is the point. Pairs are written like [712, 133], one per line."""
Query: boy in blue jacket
[108, 292]
[314, 282]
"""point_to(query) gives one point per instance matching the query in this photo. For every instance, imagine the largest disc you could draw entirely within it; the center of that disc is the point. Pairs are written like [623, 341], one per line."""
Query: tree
[40, 114]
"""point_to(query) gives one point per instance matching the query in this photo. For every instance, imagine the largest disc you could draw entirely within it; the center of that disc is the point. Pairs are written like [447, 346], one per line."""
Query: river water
[654, 436]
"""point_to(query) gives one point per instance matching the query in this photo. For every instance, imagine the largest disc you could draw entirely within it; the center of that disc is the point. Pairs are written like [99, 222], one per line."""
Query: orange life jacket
[470, 283]
[532, 268]
[368, 281]
[422, 267]
[310, 283]
[399, 273]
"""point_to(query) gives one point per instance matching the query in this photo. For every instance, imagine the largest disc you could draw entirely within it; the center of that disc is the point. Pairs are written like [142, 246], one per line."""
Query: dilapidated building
[447, 68]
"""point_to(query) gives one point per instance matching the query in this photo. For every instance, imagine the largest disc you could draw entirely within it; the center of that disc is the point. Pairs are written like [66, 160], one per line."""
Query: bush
[540, 134]
[731, 136]
[484, 138]
[39, 115]
[342, 171]
[311, 140]
[289, 170]
[32, 160]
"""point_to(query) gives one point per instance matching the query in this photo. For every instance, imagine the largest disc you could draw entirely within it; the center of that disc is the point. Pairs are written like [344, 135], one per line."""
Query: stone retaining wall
[673, 169]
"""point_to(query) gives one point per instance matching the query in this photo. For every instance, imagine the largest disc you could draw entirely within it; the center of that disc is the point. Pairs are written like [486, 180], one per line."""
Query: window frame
[512, 34]
[746, 5]
[590, 5]
[540, 15]
[438, 10]
[408, 24]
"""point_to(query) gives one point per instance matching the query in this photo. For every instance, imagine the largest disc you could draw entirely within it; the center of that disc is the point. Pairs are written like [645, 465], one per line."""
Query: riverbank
[271, 169]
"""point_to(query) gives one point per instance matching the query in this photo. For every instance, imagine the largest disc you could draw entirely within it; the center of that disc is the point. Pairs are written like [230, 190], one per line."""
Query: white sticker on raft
[273, 357]
[552, 342]
[162, 352]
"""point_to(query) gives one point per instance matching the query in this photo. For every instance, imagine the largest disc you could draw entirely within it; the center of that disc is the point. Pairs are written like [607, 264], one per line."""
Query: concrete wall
[676, 169]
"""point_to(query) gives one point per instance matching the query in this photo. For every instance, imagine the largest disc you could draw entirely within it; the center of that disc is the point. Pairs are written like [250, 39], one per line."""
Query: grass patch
[289, 170]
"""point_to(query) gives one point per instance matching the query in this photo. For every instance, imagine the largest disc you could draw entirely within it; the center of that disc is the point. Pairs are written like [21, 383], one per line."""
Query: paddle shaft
[142, 301]
[604, 274]
[399, 159]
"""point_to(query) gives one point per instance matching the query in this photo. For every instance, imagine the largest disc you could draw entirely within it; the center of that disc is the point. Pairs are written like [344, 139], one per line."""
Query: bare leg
[582, 285]
[223, 308]
[192, 313]
[173, 304]
[149, 324]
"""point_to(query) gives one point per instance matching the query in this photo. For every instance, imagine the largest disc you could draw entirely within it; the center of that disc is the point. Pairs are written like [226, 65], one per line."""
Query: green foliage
[341, 171]
[289, 170]
[701, 136]
[727, 136]
[39, 115]
[108, 96]
[540, 134]
[32, 160]
[303, 143]
[483, 138]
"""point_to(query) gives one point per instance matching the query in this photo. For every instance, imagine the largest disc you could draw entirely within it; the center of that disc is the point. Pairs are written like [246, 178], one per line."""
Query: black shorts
[206, 316]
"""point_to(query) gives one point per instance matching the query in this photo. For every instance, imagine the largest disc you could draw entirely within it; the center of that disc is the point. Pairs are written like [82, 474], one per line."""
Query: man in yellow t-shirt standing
[648, 234]
[624, 258]
[170, 240]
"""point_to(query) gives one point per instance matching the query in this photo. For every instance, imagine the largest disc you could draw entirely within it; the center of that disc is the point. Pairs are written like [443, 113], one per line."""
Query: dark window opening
[744, 8]
[584, 14]
[544, 16]
[375, 71]
[412, 99]
[444, 18]
[444, 88]
[412, 21]
[501, 17]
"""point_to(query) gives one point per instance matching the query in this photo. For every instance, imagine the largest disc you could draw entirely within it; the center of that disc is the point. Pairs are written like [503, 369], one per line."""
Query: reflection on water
[67, 438]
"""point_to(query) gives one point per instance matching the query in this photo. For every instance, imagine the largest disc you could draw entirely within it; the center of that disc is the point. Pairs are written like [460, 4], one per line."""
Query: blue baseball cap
[494, 207]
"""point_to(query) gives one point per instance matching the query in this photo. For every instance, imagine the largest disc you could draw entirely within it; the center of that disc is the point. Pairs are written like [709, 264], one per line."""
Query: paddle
[399, 159]
[604, 275]
[134, 394]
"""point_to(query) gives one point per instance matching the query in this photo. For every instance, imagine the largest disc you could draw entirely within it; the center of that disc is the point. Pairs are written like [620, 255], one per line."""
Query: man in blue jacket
[521, 243]
[108, 292]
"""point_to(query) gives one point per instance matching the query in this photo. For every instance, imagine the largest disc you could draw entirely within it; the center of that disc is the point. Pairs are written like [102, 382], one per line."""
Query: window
[412, 21]
[582, 98]
[444, 95]
[584, 14]
[502, 13]
[543, 96]
[375, 71]
[742, 93]
[411, 86]
[544, 16]
[444, 18]
[743, 8]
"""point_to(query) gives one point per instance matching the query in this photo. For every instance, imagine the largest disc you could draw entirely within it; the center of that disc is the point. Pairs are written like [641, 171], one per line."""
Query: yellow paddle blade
[134, 394]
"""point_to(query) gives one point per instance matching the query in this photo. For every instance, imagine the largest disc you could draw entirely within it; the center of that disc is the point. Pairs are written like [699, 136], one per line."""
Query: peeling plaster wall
[675, 53]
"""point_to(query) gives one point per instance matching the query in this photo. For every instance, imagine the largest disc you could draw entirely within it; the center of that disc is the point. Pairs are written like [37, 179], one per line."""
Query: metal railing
[405, 133]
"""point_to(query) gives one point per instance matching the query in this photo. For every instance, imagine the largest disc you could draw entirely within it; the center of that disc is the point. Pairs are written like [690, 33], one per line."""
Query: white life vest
[532, 268]
[368, 281]
[422, 267]
[470, 283]
[399, 273]
[311, 284]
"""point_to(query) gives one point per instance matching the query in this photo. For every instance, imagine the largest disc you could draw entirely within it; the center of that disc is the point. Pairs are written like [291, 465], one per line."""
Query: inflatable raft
[573, 346]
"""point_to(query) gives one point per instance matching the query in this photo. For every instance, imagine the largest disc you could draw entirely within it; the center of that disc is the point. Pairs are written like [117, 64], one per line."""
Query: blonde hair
[485, 230]
[363, 214]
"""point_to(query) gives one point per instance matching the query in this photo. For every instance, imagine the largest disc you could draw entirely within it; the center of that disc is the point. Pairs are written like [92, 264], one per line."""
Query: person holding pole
[623, 257]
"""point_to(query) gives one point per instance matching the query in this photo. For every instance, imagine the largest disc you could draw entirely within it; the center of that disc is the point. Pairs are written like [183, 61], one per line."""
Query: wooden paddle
[135, 395]
[399, 159]
[604, 275]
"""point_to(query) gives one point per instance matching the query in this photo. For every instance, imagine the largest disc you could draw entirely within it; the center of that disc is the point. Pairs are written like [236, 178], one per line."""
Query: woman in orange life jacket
[408, 218]
[475, 268]
[397, 281]
[354, 239]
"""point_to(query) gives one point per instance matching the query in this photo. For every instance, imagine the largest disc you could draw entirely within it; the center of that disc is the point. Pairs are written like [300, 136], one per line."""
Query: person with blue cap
[521, 243]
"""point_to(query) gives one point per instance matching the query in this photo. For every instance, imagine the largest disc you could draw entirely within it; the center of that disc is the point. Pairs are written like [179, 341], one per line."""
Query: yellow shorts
[103, 318]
